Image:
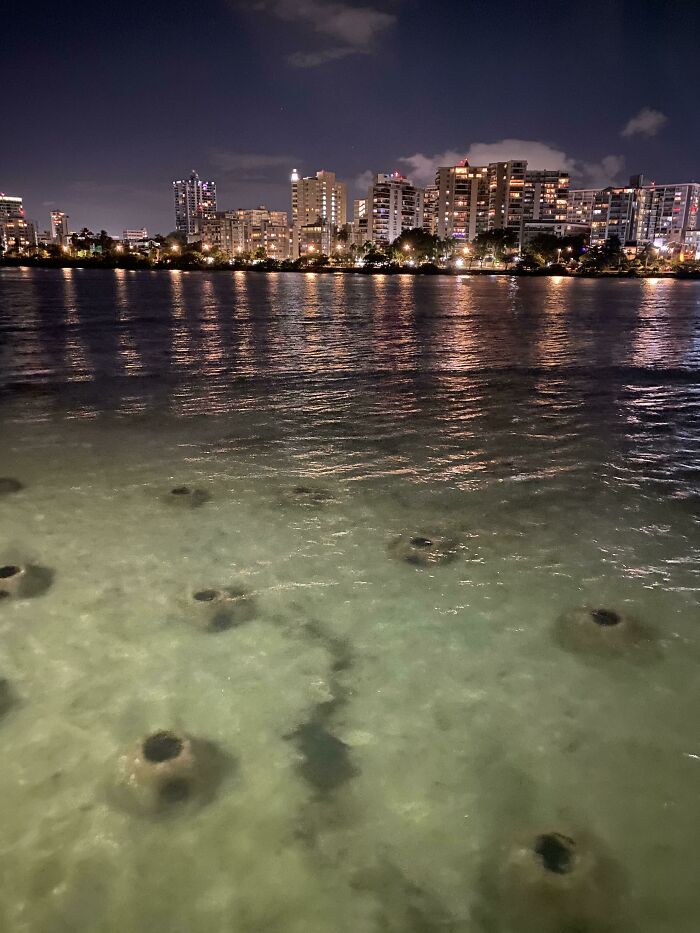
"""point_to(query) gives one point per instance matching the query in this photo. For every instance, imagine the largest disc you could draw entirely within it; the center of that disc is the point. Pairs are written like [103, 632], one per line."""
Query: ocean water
[386, 731]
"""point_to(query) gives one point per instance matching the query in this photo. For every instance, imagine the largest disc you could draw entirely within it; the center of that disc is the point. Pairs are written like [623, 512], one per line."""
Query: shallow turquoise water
[389, 729]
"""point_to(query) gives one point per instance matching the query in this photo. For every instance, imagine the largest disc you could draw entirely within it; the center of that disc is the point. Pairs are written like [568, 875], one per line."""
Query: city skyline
[356, 88]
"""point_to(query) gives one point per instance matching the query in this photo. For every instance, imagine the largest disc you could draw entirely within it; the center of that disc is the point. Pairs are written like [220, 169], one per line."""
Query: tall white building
[16, 233]
[638, 214]
[59, 226]
[11, 207]
[319, 198]
[394, 205]
[194, 200]
[668, 213]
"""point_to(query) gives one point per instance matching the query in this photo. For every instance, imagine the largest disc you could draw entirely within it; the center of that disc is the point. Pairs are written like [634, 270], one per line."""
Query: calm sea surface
[381, 738]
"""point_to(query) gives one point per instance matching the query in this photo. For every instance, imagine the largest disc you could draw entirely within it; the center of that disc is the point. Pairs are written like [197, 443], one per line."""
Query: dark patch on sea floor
[402, 905]
[326, 764]
[325, 760]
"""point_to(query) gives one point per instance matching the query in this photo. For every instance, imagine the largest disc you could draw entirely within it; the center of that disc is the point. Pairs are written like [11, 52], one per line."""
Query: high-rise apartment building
[545, 196]
[506, 195]
[472, 199]
[430, 209]
[615, 214]
[360, 221]
[194, 200]
[320, 197]
[59, 227]
[638, 213]
[16, 233]
[462, 207]
[579, 205]
[11, 207]
[394, 205]
[668, 213]
[247, 231]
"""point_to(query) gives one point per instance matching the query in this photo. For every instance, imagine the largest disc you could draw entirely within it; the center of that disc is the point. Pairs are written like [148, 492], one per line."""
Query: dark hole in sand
[4, 594]
[175, 791]
[556, 852]
[9, 485]
[181, 491]
[605, 617]
[9, 571]
[326, 765]
[206, 596]
[421, 542]
[162, 746]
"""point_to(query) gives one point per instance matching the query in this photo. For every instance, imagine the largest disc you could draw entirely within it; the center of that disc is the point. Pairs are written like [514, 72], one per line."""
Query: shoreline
[263, 268]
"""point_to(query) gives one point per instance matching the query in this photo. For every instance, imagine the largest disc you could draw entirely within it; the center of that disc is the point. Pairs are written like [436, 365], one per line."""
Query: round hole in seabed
[206, 596]
[162, 746]
[556, 852]
[605, 617]
[9, 571]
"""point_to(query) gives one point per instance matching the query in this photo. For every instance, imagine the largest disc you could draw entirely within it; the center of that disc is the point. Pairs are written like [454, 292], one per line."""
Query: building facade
[11, 207]
[321, 201]
[320, 197]
[472, 199]
[17, 234]
[135, 236]
[462, 201]
[638, 214]
[195, 200]
[59, 227]
[255, 231]
[394, 205]
[614, 215]
[668, 214]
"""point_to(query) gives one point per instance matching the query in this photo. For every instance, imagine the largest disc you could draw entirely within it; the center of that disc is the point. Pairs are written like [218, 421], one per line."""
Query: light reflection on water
[550, 425]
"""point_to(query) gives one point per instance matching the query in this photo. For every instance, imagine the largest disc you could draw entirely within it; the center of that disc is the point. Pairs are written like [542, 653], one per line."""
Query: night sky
[105, 104]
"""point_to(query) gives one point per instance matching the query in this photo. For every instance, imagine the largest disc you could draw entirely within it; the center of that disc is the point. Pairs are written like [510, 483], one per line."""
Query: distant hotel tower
[194, 200]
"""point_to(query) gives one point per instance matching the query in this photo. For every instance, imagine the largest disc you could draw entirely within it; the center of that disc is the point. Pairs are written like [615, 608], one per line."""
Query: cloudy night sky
[105, 105]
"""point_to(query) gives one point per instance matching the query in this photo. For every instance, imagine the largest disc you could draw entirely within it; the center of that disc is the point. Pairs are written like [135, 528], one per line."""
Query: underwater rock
[310, 496]
[325, 760]
[423, 549]
[22, 581]
[605, 632]
[217, 610]
[186, 497]
[9, 485]
[167, 769]
[552, 882]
